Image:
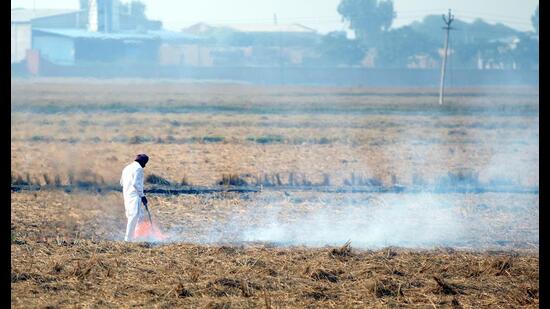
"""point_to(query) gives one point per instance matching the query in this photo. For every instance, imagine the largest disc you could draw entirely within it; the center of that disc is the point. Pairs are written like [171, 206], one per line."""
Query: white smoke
[515, 159]
[421, 220]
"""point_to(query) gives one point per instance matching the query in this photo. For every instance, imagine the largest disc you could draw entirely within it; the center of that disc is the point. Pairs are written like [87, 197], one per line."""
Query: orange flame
[145, 231]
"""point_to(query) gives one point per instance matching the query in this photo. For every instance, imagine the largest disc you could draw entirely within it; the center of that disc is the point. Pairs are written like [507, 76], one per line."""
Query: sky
[317, 14]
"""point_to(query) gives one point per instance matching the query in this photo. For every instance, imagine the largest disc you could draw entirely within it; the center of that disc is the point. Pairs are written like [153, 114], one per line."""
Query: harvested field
[491, 221]
[112, 274]
[284, 244]
[66, 251]
[203, 131]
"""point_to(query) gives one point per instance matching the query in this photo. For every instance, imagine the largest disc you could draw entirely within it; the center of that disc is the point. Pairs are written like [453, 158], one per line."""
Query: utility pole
[448, 20]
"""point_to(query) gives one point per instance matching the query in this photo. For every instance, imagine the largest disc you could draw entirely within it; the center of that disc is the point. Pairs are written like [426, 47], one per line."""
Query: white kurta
[132, 191]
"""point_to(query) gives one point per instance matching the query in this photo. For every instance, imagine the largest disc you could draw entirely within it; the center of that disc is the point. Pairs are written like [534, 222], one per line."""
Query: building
[78, 46]
[103, 16]
[24, 20]
[246, 45]
[104, 31]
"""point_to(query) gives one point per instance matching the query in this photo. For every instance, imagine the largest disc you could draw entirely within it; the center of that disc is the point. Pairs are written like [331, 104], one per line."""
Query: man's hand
[144, 200]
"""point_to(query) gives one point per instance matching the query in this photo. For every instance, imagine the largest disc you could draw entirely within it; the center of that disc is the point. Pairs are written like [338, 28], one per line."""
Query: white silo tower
[103, 15]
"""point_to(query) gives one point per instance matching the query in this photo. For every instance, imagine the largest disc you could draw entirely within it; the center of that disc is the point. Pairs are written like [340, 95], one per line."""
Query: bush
[18, 181]
[326, 180]
[170, 139]
[464, 175]
[57, 180]
[86, 179]
[358, 180]
[47, 179]
[375, 182]
[267, 139]
[135, 140]
[139, 139]
[185, 181]
[213, 139]
[39, 138]
[467, 177]
[156, 180]
[232, 180]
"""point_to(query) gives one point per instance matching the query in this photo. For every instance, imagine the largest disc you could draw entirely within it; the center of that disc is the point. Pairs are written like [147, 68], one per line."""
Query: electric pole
[448, 20]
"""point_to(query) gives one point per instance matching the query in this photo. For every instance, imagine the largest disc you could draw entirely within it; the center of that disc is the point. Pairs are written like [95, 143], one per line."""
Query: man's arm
[138, 182]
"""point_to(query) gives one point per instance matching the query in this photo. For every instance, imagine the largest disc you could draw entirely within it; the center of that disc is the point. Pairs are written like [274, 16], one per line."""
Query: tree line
[477, 44]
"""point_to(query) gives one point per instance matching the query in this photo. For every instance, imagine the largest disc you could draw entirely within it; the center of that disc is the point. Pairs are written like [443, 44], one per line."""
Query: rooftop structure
[202, 28]
[25, 15]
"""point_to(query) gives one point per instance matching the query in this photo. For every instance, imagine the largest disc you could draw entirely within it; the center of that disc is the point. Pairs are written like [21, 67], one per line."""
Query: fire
[146, 232]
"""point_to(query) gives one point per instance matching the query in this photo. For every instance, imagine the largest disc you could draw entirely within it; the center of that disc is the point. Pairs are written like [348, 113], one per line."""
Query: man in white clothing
[132, 191]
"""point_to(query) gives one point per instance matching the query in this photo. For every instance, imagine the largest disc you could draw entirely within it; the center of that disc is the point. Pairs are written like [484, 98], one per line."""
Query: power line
[490, 14]
[495, 20]
[399, 15]
[403, 16]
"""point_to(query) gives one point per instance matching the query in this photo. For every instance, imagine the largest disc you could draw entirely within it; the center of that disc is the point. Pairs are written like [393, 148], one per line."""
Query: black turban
[142, 158]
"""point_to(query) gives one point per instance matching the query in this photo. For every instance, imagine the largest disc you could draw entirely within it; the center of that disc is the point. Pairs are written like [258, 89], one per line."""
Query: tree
[369, 19]
[526, 53]
[535, 20]
[400, 45]
[464, 32]
[137, 9]
[337, 49]
[134, 13]
[470, 40]
[134, 8]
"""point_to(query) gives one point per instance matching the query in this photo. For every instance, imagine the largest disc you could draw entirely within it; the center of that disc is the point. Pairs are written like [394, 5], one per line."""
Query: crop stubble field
[66, 247]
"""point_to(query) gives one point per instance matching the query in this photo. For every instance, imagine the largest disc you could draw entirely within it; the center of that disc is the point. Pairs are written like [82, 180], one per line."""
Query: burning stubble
[424, 220]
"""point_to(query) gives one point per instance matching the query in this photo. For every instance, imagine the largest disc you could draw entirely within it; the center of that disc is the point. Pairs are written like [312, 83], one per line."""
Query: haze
[318, 14]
